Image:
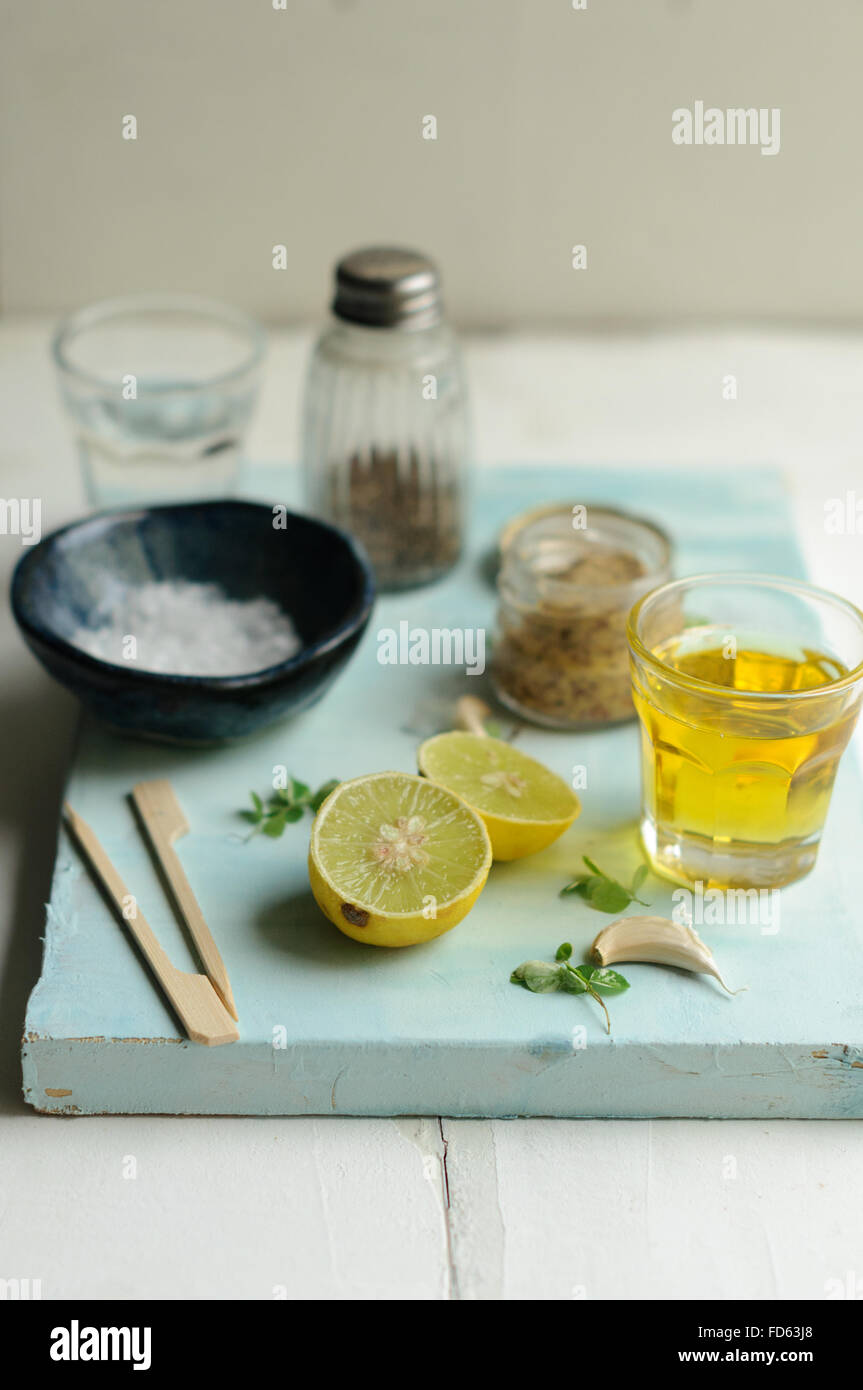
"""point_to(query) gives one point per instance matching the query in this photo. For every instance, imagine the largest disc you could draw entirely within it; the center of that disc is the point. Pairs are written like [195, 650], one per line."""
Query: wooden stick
[164, 822]
[195, 1001]
[471, 714]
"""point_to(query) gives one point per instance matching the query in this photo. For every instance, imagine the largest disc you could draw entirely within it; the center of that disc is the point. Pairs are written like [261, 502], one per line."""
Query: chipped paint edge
[497, 1081]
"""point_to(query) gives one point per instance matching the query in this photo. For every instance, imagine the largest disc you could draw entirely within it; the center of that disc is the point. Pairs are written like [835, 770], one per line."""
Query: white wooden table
[351, 1208]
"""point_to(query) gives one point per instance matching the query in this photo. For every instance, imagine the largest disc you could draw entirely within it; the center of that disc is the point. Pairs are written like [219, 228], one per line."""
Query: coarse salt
[180, 628]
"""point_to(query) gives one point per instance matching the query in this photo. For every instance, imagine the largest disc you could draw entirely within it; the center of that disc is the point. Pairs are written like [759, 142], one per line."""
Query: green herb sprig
[540, 977]
[285, 806]
[602, 891]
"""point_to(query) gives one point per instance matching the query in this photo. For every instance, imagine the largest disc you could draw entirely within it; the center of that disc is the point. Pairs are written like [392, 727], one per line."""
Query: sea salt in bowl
[237, 617]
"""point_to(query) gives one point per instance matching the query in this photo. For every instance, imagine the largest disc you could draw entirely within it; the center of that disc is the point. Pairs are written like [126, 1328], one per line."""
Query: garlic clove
[656, 941]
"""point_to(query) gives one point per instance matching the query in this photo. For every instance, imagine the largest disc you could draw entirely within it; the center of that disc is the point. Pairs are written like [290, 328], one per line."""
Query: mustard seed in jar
[567, 581]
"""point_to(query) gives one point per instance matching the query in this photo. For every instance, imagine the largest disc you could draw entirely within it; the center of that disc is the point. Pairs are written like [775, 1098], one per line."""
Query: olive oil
[733, 769]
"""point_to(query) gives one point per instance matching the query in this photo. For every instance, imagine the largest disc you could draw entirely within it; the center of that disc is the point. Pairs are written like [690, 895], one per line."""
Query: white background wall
[303, 127]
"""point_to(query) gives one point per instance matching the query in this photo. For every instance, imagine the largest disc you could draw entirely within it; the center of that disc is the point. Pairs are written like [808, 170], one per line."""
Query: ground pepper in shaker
[385, 436]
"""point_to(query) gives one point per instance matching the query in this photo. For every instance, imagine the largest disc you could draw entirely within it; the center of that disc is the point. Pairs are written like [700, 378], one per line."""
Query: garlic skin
[656, 941]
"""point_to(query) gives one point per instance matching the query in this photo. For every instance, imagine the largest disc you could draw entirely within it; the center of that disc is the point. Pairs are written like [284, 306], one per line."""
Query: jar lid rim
[386, 286]
[603, 528]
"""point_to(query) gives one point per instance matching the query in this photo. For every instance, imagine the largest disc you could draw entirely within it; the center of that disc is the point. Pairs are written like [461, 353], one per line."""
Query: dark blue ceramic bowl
[315, 572]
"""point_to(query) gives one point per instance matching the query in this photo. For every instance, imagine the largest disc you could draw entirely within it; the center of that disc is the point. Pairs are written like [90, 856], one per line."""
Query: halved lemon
[524, 804]
[395, 859]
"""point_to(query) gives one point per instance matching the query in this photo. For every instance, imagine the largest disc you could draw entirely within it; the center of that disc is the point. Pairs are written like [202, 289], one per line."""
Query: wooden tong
[203, 1003]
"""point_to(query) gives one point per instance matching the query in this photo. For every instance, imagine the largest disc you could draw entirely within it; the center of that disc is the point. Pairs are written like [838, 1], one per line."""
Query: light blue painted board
[438, 1029]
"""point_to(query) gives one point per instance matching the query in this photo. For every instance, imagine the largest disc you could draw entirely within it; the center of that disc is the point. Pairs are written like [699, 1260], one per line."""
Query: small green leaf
[285, 806]
[591, 884]
[638, 878]
[543, 978]
[602, 977]
[539, 976]
[602, 891]
[322, 793]
[578, 885]
[493, 729]
[608, 896]
[572, 983]
[274, 825]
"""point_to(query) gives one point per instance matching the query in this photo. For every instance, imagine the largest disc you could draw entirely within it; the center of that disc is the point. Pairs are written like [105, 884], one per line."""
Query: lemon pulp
[395, 859]
[524, 804]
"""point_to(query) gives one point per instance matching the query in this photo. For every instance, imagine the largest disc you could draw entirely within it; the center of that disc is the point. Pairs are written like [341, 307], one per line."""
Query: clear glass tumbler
[747, 688]
[161, 389]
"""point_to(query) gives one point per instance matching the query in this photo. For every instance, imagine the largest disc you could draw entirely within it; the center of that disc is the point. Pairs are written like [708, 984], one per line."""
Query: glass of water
[161, 389]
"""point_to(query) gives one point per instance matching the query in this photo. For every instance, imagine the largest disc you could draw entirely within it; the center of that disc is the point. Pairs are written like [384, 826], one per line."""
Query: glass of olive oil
[747, 689]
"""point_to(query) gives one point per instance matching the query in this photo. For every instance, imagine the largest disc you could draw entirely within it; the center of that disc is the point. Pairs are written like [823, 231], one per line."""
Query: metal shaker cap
[388, 287]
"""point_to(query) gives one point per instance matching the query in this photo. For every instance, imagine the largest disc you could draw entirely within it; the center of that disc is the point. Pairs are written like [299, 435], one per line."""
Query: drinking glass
[161, 389]
[747, 688]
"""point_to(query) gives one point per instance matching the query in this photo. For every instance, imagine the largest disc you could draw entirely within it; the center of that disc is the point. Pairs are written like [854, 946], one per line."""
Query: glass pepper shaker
[385, 433]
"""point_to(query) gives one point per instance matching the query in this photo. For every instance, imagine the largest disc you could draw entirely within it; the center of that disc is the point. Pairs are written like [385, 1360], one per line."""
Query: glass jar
[384, 446]
[568, 579]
